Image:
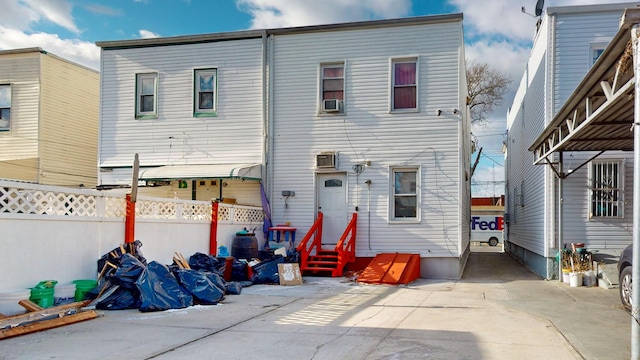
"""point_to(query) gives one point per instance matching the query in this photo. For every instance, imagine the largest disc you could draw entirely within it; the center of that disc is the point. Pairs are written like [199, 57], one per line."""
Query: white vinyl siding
[176, 136]
[368, 131]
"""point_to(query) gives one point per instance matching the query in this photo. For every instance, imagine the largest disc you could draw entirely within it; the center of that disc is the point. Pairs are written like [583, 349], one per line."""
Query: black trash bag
[115, 256]
[294, 257]
[160, 290]
[239, 271]
[200, 261]
[121, 299]
[233, 288]
[217, 280]
[93, 293]
[266, 272]
[198, 283]
[128, 272]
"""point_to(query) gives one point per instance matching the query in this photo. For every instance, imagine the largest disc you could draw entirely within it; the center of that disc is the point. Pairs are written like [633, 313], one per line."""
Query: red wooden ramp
[391, 268]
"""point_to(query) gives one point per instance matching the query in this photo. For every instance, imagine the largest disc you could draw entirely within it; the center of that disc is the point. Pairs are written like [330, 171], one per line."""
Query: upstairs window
[405, 196]
[332, 88]
[5, 107]
[146, 95]
[404, 81]
[607, 189]
[205, 89]
[596, 50]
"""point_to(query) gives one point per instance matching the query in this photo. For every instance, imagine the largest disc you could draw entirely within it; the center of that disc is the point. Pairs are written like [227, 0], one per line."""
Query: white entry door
[331, 197]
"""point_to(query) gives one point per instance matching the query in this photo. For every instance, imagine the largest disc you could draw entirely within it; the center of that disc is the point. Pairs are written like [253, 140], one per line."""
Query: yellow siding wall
[19, 146]
[23, 169]
[68, 123]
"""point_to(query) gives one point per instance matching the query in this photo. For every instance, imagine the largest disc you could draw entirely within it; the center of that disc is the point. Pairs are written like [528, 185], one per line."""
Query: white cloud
[56, 11]
[488, 181]
[286, 13]
[146, 34]
[82, 52]
[504, 17]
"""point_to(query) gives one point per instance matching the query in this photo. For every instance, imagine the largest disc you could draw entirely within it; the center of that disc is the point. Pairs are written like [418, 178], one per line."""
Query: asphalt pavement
[498, 310]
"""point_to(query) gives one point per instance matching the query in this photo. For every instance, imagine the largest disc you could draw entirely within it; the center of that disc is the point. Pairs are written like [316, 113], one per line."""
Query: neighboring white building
[192, 107]
[372, 118]
[596, 199]
[383, 101]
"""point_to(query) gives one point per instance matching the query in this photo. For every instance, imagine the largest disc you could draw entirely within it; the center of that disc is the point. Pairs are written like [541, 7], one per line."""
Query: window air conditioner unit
[331, 105]
[326, 160]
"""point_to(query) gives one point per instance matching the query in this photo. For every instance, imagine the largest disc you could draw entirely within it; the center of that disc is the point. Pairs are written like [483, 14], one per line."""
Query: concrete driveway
[498, 310]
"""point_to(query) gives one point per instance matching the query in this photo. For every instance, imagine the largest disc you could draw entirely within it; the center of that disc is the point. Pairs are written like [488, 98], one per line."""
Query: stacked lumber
[38, 319]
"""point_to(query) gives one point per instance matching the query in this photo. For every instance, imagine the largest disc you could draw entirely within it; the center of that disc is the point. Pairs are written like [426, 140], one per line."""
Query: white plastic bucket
[575, 279]
[589, 279]
[64, 294]
[9, 301]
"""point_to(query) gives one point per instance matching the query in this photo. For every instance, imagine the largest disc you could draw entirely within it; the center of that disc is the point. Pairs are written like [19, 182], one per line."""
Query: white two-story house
[595, 206]
[366, 117]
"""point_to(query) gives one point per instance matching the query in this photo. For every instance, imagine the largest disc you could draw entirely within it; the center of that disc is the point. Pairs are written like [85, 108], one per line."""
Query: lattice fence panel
[28, 201]
[196, 212]
[115, 207]
[224, 213]
[248, 215]
[149, 209]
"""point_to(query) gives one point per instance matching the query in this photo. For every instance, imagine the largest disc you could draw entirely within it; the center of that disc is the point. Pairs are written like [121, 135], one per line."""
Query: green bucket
[42, 294]
[83, 287]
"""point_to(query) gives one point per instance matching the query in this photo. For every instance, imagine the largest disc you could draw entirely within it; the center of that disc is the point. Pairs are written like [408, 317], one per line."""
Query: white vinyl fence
[55, 233]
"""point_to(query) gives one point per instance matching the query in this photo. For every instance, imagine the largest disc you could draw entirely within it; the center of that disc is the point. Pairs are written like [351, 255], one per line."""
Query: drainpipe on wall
[635, 275]
[270, 141]
[265, 118]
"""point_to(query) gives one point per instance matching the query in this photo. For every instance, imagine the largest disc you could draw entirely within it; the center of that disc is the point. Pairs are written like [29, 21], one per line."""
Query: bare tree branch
[486, 87]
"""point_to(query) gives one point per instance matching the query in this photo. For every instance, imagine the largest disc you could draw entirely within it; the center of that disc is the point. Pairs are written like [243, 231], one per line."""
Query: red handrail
[347, 252]
[303, 248]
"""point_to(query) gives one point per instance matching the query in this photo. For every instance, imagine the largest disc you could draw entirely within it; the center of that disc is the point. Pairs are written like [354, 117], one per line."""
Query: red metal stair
[317, 261]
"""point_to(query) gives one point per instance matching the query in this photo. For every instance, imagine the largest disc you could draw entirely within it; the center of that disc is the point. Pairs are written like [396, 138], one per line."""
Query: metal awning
[599, 113]
[211, 171]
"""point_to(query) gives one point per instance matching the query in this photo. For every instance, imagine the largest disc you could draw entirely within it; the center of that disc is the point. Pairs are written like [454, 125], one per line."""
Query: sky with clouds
[497, 32]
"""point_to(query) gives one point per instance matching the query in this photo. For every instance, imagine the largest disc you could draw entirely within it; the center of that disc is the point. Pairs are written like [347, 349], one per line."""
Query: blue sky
[497, 32]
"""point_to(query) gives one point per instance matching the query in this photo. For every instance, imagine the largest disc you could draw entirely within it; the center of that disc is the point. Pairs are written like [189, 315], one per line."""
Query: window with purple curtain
[404, 85]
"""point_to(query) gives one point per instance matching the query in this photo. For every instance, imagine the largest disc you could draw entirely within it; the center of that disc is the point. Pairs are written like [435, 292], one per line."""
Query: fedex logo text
[488, 223]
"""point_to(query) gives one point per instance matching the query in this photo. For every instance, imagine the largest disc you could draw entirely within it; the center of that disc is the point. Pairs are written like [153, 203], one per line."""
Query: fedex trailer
[487, 228]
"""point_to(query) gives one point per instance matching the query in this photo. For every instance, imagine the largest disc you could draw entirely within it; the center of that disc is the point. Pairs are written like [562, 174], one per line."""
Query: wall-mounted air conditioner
[326, 160]
[331, 105]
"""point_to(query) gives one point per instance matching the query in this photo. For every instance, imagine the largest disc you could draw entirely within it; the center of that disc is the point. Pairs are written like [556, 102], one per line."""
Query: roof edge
[252, 34]
[577, 9]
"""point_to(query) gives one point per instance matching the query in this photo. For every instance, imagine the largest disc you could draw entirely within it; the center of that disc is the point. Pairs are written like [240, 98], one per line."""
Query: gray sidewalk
[499, 310]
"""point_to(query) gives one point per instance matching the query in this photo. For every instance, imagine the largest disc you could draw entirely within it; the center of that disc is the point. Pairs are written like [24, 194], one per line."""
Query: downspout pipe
[270, 141]
[265, 118]
[635, 275]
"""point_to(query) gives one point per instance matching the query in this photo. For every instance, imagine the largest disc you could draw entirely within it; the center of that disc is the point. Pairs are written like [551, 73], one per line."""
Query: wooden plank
[48, 324]
[30, 305]
[41, 313]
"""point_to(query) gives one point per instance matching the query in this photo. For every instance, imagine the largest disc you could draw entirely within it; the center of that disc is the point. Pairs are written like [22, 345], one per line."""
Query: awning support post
[635, 276]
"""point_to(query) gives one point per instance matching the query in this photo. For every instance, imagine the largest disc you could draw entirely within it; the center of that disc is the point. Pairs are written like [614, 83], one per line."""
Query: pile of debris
[38, 319]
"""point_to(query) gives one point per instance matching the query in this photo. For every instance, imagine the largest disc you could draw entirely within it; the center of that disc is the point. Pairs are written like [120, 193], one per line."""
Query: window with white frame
[607, 188]
[147, 95]
[332, 88]
[404, 80]
[5, 107]
[405, 193]
[596, 49]
[205, 89]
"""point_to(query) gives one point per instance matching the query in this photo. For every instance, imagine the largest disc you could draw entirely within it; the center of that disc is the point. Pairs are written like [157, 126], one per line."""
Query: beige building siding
[23, 169]
[68, 123]
[19, 146]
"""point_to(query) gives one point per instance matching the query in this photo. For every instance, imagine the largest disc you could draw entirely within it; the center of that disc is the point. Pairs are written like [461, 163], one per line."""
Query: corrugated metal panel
[176, 137]
[21, 70]
[68, 123]
[368, 131]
